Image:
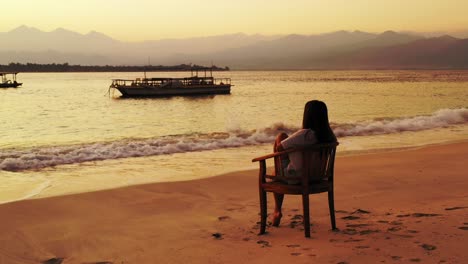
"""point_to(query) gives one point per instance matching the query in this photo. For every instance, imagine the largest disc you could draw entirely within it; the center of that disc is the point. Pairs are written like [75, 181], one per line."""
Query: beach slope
[402, 206]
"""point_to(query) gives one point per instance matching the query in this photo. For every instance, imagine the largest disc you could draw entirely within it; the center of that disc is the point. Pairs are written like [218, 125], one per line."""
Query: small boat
[162, 87]
[5, 82]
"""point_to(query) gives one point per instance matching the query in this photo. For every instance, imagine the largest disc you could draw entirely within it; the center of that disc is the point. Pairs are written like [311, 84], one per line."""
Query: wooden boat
[161, 87]
[5, 82]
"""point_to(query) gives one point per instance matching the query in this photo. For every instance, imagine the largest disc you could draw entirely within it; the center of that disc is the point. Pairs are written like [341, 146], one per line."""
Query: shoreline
[47, 189]
[399, 149]
[408, 205]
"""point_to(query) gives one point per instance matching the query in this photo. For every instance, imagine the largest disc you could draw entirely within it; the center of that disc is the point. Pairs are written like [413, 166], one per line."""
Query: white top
[299, 138]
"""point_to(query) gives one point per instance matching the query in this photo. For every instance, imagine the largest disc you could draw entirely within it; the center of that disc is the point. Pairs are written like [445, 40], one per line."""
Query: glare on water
[212, 134]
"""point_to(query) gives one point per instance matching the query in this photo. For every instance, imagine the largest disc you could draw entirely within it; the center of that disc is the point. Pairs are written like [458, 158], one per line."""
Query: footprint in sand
[368, 231]
[464, 227]
[456, 208]
[293, 246]
[349, 231]
[395, 223]
[403, 215]
[415, 260]
[296, 220]
[360, 211]
[357, 225]
[99, 262]
[353, 240]
[224, 217]
[297, 217]
[396, 257]
[350, 217]
[362, 247]
[103, 262]
[217, 235]
[293, 224]
[428, 247]
[53, 261]
[264, 243]
[235, 209]
[423, 215]
[394, 228]
[296, 254]
[405, 236]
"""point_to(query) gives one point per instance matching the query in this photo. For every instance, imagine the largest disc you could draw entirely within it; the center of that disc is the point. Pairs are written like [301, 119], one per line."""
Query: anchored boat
[160, 87]
[5, 82]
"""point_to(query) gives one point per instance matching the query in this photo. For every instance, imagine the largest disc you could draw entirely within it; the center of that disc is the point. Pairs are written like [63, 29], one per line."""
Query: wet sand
[406, 206]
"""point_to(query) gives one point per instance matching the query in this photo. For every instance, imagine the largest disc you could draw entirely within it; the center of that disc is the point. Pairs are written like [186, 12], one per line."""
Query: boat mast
[211, 69]
[149, 64]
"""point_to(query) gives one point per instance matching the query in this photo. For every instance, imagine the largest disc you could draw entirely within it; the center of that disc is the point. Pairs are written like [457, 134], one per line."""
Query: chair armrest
[301, 148]
[272, 155]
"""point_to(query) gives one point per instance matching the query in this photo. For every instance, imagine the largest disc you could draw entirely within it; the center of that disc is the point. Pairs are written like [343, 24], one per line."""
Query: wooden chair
[317, 177]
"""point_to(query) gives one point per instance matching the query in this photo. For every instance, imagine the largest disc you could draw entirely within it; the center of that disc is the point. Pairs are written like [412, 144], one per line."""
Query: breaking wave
[440, 118]
[37, 158]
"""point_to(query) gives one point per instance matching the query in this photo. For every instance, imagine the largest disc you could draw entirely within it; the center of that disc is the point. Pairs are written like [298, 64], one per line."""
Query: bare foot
[277, 218]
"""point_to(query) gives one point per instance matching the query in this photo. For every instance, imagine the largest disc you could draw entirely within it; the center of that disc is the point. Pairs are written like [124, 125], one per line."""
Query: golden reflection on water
[72, 108]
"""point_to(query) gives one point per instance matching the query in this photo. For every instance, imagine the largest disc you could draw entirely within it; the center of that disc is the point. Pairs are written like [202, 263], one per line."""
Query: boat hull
[10, 85]
[172, 91]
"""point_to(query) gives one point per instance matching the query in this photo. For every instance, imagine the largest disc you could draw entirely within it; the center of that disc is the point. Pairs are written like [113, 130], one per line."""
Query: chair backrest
[317, 163]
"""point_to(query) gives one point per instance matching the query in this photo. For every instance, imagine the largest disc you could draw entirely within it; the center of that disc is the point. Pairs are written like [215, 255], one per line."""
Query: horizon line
[422, 34]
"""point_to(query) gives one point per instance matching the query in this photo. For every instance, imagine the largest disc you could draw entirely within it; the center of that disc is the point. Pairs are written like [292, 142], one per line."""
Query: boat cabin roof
[169, 79]
[5, 73]
[185, 78]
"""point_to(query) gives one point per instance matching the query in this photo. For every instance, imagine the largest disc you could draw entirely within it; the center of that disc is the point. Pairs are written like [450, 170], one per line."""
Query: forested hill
[65, 67]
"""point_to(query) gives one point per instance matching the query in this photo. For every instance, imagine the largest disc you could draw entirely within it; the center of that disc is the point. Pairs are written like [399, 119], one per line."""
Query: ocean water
[65, 133]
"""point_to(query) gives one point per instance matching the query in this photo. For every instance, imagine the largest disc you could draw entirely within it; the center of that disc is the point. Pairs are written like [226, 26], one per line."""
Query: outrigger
[5, 82]
[160, 87]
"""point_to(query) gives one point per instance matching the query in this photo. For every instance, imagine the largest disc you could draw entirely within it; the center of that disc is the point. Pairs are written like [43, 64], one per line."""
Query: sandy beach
[404, 206]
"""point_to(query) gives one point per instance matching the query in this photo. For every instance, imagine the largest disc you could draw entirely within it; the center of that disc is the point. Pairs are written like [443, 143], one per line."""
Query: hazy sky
[135, 20]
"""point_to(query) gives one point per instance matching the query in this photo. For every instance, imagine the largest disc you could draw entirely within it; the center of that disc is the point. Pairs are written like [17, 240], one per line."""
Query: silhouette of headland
[65, 67]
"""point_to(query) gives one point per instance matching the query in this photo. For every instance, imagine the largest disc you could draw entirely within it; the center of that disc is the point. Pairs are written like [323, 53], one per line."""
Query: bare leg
[278, 197]
[278, 204]
[277, 147]
[280, 137]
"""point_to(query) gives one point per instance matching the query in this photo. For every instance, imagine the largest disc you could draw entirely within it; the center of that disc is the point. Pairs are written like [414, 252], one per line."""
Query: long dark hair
[316, 118]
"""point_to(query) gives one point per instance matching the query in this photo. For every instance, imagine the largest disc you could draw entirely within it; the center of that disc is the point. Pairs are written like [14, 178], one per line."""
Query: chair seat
[280, 187]
[316, 177]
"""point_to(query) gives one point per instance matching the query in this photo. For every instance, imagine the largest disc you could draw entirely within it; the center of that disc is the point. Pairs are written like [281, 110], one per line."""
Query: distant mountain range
[336, 50]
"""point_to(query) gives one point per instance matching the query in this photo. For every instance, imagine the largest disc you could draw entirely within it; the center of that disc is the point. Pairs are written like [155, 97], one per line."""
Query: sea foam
[37, 158]
[440, 118]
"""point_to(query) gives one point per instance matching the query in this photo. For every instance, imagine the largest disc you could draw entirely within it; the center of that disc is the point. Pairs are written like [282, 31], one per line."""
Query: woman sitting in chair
[315, 129]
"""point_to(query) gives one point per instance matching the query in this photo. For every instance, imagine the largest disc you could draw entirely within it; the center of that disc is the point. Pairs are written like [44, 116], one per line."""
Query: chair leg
[331, 206]
[305, 205]
[278, 204]
[263, 211]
